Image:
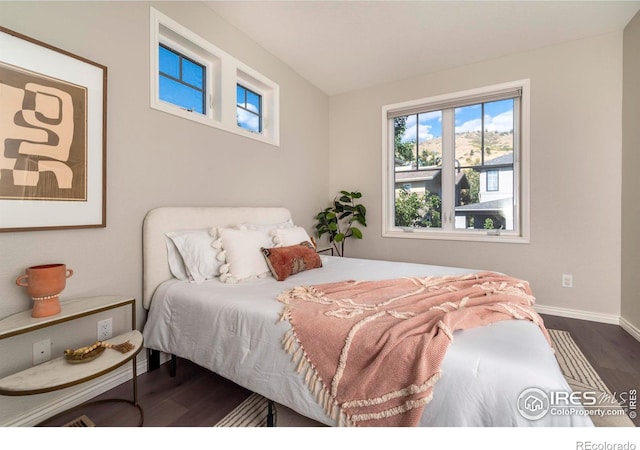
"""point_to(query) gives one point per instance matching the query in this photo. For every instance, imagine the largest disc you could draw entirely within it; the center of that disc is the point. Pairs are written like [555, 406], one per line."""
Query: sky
[498, 117]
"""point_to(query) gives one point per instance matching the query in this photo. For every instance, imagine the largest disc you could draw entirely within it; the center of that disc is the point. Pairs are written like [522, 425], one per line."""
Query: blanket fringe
[313, 381]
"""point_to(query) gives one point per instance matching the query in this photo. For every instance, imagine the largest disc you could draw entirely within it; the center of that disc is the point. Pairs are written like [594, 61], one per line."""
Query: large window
[456, 166]
[193, 79]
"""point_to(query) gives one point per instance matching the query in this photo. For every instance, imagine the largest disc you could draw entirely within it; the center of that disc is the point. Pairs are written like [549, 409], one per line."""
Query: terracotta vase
[44, 284]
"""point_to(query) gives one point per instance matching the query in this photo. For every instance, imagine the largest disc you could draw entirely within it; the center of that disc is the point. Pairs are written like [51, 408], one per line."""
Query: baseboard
[629, 328]
[593, 317]
[577, 314]
[83, 393]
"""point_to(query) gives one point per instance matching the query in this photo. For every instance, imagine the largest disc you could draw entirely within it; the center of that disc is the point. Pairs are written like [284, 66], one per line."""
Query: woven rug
[575, 367]
[582, 377]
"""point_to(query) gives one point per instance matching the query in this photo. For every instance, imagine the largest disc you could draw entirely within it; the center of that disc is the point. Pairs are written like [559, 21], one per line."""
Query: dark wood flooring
[196, 397]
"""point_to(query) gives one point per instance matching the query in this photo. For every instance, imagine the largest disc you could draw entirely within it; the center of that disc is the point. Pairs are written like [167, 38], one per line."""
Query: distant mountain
[468, 145]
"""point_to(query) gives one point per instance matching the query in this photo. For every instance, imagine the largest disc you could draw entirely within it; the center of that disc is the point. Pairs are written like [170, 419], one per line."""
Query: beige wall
[154, 159]
[630, 178]
[576, 101]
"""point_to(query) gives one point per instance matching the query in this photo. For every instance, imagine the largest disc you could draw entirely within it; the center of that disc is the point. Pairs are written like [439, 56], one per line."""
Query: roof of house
[507, 158]
[489, 207]
[405, 176]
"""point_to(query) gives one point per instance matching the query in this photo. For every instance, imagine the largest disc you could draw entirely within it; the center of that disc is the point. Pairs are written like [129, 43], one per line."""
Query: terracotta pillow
[286, 261]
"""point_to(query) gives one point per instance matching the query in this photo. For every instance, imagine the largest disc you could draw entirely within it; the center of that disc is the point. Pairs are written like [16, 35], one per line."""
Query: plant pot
[44, 284]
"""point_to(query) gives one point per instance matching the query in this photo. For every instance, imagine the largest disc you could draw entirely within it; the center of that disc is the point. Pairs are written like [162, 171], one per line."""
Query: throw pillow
[286, 261]
[240, 254]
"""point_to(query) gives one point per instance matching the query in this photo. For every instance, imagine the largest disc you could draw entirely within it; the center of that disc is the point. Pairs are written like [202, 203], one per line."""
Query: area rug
[582, 377]
[575, 367]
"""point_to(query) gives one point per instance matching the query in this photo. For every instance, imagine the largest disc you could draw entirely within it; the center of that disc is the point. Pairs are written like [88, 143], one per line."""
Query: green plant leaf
[330, 215]
[356, 195]
[361, 220]
[333, 226]
[339, 237]
[345, 199]
[356, 233]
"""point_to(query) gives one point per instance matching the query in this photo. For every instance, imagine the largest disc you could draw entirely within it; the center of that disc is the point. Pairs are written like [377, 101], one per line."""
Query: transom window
[456, 165]
[182, 80]
[249, 109]
[193, 79]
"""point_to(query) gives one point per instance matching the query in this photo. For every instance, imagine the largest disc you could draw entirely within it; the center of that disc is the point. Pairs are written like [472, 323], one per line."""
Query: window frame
[521, 165]
[223, 73]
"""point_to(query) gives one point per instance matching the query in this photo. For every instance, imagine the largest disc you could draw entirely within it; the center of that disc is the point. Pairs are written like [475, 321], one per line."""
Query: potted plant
[338, 221]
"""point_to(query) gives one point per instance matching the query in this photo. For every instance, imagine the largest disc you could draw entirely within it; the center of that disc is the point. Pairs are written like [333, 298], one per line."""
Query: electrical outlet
[104, 329]
[41, 352]
[567, 280]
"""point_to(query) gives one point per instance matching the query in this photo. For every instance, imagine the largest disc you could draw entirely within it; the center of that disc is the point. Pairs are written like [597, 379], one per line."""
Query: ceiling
[340, 46]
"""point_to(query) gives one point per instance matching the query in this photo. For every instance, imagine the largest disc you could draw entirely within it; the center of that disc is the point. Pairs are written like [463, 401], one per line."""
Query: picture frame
[53, 123]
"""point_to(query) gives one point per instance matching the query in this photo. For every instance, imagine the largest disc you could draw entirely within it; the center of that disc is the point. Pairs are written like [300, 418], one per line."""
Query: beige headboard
[157, 222]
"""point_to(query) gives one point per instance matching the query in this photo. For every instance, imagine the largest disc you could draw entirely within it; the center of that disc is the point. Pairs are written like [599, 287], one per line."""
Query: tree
[471, 195]
[413, 210]
[403, 150]
[409, 209]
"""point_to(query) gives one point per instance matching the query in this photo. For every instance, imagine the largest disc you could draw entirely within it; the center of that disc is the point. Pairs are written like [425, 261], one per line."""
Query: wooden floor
[197, 397]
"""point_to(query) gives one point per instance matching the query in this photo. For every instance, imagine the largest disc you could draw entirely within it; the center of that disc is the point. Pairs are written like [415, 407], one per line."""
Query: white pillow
[265, 227]
[284, 237]
[198, 255]
[241, 254]
[176, 264]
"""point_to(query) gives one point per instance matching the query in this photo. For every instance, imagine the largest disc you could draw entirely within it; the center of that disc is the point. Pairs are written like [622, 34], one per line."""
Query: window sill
[207, 120]
[473, 236]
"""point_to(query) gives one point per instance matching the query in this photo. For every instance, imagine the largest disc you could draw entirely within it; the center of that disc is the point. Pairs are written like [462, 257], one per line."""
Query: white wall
[576, 101]
[630, 178]
[154, 159]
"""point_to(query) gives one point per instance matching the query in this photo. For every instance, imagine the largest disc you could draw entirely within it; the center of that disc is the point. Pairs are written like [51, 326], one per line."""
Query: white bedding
[234, 330]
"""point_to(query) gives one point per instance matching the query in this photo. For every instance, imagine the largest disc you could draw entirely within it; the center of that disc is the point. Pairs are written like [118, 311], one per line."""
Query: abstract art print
[52, 137]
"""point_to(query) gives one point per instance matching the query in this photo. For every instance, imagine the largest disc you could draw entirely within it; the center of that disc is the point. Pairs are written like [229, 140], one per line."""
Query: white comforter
[234, 330]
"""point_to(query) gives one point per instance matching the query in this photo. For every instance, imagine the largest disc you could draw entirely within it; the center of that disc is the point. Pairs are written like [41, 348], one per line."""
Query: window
[182, 80]
[465, 157]
[249, 109]
[493, 180]
[193, 79]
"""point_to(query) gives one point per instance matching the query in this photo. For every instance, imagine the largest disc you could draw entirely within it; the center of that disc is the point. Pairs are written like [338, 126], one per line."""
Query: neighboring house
[422, 180]
[495, 196]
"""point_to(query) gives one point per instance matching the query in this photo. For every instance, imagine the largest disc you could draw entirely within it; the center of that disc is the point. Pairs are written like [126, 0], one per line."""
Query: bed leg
[270, 417]
[153, 359]
[173, 366]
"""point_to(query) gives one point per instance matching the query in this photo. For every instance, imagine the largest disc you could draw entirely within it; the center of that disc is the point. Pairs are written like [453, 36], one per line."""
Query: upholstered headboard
[155, 266]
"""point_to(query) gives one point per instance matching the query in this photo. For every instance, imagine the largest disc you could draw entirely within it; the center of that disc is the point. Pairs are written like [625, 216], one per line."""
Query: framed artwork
[53, 115]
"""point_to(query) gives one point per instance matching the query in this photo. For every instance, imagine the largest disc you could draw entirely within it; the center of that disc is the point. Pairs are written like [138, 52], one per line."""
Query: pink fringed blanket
[371, 351]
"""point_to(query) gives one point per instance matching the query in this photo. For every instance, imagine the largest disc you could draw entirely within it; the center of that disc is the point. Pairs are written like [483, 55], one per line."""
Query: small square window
[492, 181]
[182, 80]
[249, 109]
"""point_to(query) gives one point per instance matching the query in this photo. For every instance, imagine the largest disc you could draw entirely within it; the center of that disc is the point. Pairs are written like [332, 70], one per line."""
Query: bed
[235, 330]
